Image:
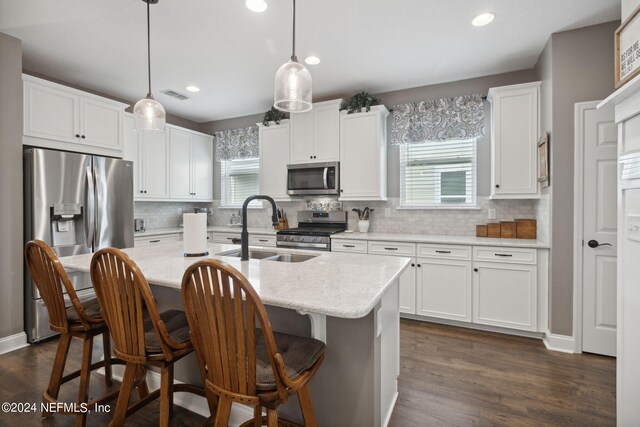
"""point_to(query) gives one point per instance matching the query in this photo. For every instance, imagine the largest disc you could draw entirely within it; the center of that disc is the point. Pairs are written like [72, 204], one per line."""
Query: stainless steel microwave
[314, 179]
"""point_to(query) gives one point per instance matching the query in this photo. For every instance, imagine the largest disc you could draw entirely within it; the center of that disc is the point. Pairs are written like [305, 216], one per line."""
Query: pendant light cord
[293, 49]
[149, 49]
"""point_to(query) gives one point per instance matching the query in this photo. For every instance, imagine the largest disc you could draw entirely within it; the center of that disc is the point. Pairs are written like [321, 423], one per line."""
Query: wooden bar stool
[141, 335]
[80, 320]
[242, 363]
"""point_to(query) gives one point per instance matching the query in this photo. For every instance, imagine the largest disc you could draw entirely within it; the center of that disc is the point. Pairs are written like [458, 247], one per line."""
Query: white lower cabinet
[505, 295]
[408, 289]
[444, 288]
[267, 240]
[154, 240]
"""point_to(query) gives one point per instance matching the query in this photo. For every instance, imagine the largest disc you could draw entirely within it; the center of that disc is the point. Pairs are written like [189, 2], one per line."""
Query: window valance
[457, 118]
[236, 144]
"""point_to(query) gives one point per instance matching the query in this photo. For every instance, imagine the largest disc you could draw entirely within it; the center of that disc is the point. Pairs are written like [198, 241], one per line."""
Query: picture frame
[543, 161]
[627, 49]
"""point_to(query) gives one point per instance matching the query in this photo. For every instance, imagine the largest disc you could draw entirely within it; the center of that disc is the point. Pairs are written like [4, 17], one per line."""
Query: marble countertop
[335, 284]
[220, 228]
[444, 239]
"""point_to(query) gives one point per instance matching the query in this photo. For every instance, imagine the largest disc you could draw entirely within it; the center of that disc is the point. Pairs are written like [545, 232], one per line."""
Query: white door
[131, 152]
[202, 167]
[326, 133]
[597, 133]
[408, 289]
[444, 289]
[359, 152]
[51, 113]
[101, 123]
[301, 128]
[180, 161]
[274, 155]
[155, 168]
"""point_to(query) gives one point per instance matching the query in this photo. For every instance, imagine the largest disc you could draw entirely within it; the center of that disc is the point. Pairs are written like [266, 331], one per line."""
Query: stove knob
[317, 239]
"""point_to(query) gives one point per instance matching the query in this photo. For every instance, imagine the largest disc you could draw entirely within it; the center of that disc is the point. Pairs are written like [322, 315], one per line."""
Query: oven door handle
[325, 178]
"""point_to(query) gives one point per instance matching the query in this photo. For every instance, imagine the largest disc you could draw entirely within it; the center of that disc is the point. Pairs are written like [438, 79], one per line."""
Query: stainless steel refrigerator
[77, 204]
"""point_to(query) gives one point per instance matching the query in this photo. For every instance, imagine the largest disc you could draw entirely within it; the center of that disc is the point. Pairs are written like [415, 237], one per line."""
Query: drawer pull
[391, 249]
[504, 255]
[348, 246]
[443, 252]
[154, 241]
[230, 238]
[262, 240]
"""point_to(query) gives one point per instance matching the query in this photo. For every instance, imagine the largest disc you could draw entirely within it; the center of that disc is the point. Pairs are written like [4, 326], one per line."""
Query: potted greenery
[363, 218]
[359, 101]
[273, 115]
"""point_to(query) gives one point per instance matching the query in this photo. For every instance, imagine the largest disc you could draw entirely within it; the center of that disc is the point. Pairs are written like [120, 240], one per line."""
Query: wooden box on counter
[526, 228]
[508, 229]
[493, 230]
[481, 230]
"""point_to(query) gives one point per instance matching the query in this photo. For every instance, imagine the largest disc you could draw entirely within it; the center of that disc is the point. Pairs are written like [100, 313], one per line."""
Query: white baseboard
[13, 342]
[190, 401]
[562, 343]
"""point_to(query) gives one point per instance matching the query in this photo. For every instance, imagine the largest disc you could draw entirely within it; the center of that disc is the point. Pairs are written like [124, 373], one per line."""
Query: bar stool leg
[166, 395]
[306, 407]
[85, 378]
[58, 368]
[106, 343]
[123, 398]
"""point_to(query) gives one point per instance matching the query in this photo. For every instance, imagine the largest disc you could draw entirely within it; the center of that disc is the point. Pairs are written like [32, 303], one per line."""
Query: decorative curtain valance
[457, 118]
[236, 144]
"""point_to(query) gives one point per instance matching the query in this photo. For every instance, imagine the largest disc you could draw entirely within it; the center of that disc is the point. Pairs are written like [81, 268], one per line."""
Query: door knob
[595, 244]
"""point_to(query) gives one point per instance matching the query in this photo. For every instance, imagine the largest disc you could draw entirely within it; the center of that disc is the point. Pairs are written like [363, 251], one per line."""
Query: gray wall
[11, 232]
[576, 66]
[171, 119]
[463, 87]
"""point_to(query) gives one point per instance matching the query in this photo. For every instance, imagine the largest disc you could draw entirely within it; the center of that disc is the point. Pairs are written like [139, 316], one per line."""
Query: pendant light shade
[293, 88]
[149, 114]
[292, 91]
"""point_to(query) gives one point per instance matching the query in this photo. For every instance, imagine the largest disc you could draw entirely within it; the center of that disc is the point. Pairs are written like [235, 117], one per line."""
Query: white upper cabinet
[515, 127]
[59, 117]
[191, 164]
[363, 154]
[274, 155]
[174, 165]
[315, 135]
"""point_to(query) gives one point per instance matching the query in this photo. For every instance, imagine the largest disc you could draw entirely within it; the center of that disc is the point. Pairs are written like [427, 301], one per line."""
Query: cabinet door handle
[497, 185]
[83, 137]
[154, 241]
[475, 269]
[419, 265]
[443, 252]
[504, 255]
[413, 265]
[348, 246]
[230, 238]
[262, 240]
[77, 135]
[391, 249]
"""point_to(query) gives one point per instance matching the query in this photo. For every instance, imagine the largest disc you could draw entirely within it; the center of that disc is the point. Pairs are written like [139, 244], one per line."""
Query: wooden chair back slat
[124, 293]
[51, 280]
[223, 328]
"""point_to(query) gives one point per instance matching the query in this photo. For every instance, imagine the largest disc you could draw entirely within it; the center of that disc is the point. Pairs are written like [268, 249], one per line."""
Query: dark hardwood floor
[448, 377]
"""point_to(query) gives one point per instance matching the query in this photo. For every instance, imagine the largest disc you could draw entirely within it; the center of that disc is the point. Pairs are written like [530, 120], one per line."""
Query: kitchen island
[349, 301]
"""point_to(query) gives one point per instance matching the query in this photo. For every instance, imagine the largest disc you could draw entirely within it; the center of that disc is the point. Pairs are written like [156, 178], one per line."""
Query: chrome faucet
[244, 236]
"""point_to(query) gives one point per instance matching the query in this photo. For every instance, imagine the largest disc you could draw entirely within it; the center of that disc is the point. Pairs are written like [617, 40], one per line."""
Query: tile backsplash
[417, 221]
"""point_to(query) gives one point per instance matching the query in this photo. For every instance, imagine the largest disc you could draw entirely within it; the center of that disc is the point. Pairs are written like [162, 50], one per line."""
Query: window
[438, 174]
[239, 179]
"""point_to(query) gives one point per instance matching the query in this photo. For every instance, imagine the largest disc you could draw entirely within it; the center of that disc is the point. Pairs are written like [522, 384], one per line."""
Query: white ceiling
[232, 54]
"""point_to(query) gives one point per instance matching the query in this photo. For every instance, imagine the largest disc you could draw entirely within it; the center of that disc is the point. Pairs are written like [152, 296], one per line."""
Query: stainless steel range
[313, 231]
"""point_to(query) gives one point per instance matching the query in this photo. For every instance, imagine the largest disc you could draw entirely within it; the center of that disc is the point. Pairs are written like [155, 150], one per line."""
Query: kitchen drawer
[262, 240]
[507, 255]
[217, 237]
[444, 251]
[392, 248]
[154, 240]
[343, 245]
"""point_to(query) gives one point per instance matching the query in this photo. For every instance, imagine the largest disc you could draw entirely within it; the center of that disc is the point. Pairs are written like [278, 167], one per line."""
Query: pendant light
[293, 82]
[149, 114]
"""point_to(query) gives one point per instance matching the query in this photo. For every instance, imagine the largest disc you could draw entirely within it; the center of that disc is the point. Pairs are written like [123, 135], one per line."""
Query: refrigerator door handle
[90, 216]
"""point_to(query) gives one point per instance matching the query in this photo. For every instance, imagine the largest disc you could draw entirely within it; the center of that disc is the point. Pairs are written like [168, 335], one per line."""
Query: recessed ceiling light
[256, 5]
[483, 19]
[312, 60]
[192, 88]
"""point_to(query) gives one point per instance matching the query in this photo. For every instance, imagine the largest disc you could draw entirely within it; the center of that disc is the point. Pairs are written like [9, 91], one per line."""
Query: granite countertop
[444, 239]
[335, 284]
[219, 228]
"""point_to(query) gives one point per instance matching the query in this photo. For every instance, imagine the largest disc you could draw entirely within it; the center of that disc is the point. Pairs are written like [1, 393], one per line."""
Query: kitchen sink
[270, 256]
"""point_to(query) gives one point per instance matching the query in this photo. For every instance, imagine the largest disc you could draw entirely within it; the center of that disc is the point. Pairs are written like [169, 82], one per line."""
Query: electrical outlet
[387, 212]
[492, 213]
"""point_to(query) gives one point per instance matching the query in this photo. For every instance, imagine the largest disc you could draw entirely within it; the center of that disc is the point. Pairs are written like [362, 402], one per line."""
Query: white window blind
[438, 174]
[239, 179]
